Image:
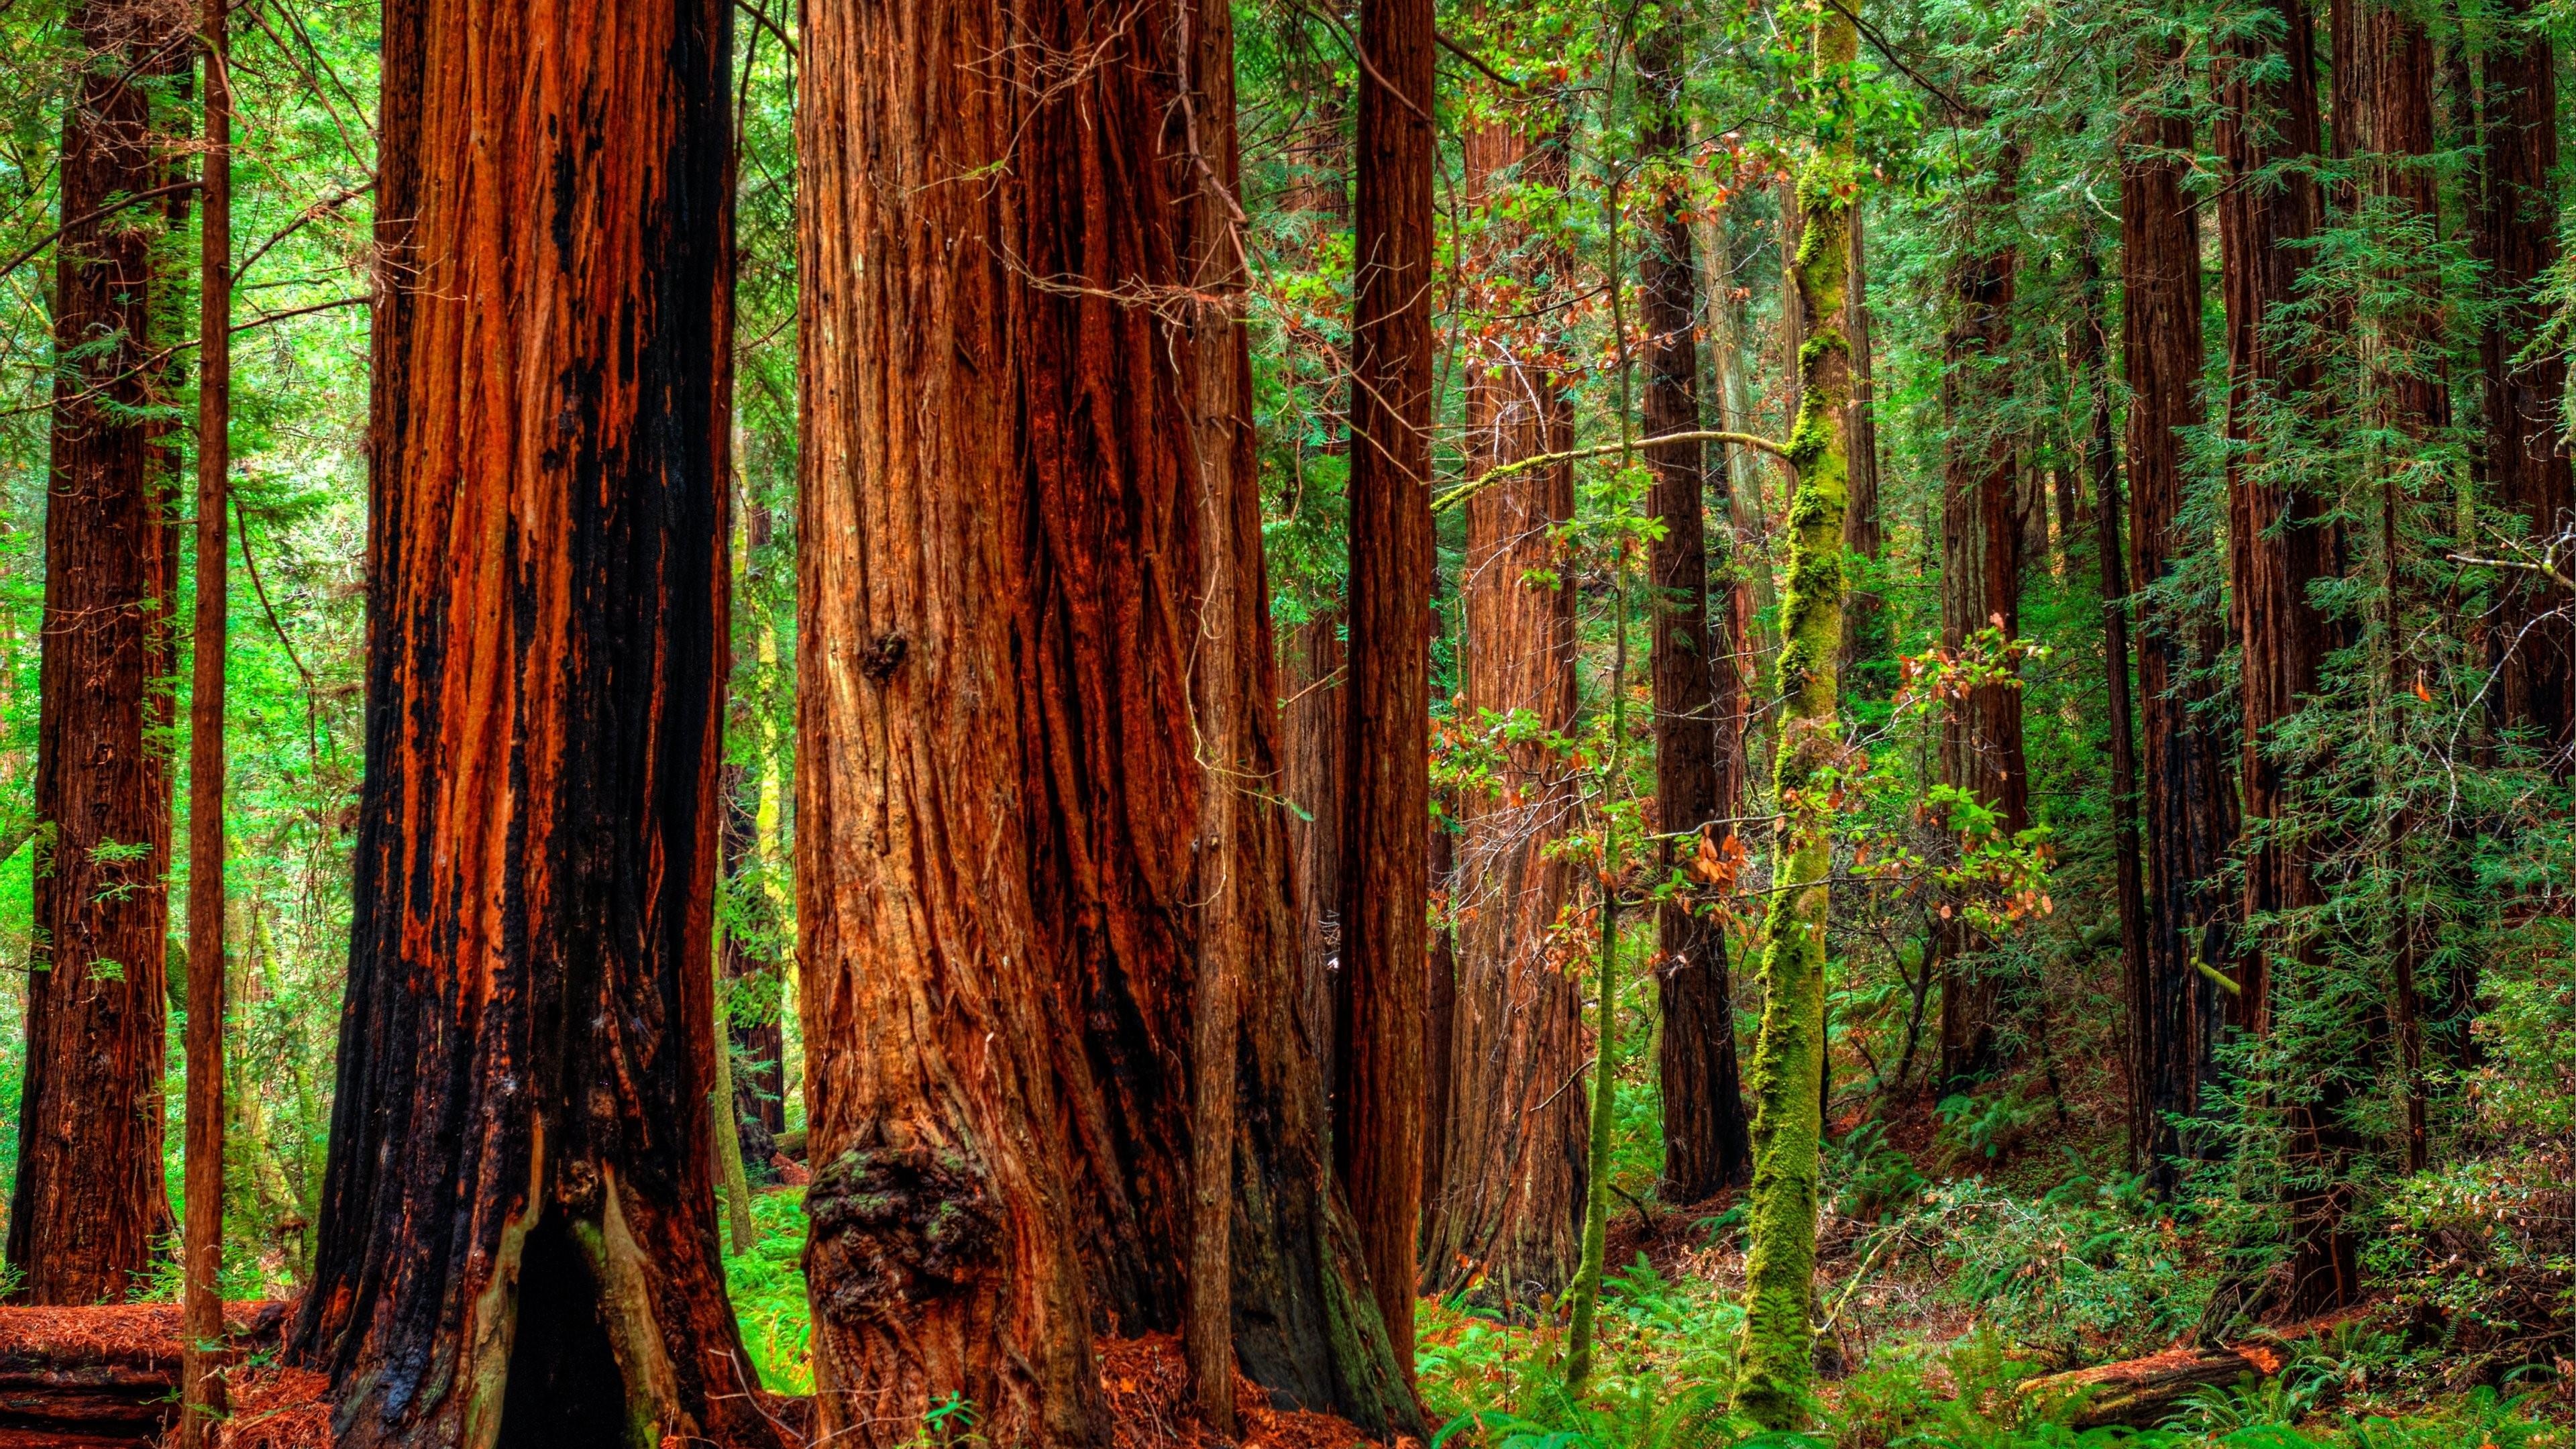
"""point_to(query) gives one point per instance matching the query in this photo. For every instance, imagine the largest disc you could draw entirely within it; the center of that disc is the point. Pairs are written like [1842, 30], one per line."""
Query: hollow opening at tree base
[564, 1391]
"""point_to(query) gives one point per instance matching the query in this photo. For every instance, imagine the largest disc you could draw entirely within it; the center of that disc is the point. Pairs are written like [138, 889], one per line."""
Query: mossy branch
[1474, 486]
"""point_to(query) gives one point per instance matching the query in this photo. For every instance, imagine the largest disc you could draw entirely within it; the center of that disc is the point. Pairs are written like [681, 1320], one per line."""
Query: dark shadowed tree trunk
[1314, 738]
[2280, 542]
[1046, 943]
[1982, 542]
[1707, 1139]
[2188, 790]
[2535, 642]
[1378, 1094]
[1864, 532]
[1507, 1212]
[510, 1252]
[88, 1205]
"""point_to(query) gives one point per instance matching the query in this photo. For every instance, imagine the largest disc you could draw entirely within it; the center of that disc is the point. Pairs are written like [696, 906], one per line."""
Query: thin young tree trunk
[2091, 357]
[508, 1253]
[1789, 1053]
[1026, 433]
[89, 1204]
[1378, 1097]
[1864, 532]
[2535, 642]
[1982, 554]
[2189, 795]
[1507, 1214]
[2281, 541]
[201, 1308]
[1707, 1141]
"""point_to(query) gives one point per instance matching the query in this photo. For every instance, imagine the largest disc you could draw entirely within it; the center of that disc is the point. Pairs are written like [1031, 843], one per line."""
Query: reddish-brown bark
[1982, 554]
[1314, 739]
[1046, 944]
[2281, 541]
[88, 1203]
[2534, 640]
[2188, 777]
[518, 1234]
[1378, 1093]
[1507, 1213]
[1707, 1141]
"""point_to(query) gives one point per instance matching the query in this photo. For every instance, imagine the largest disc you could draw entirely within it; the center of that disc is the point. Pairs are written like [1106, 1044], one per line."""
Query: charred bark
[1707, 1138]
[1507, 1213]
[88, 1205]
[510, 1252]
[1047, 1030]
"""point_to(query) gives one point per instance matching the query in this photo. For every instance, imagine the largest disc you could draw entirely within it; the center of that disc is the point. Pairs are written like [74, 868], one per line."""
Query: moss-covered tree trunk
[518, 1239]
[1789, 1054]
[1043, 917]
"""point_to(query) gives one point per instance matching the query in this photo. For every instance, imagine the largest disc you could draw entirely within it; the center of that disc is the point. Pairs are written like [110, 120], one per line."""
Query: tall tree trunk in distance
[201, 1307]
[1016, 971]
[89, 1204]
[752, 977]
[1707, 1141]
[1789, 1052]
[2535, 643]
[1377, 1101]
[2280, 539]
[1315, 741]
[1440, 1030]
[1864, 532]
[1741, 572]
[1982, 543]
[1507, 1213]
[2090, 354]
[509, 1255]
[2189, 795]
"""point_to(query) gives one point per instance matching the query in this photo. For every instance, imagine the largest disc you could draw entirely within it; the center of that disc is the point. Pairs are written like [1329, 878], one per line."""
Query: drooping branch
[1507, 471]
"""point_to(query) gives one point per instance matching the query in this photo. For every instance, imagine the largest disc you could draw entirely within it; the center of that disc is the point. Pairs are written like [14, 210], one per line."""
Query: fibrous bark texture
[518, 1239]
[1983, 536]
[1378, 1092]
[1506, 1216]
[1046, 945]
[2534, 638]
[1707, 1140]
[2281, 541]
[88, 1203]
[2188, 794]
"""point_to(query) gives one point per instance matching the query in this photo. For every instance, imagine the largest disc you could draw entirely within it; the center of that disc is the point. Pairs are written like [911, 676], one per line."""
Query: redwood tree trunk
[509, 1251]
[1315, 738]
[1378, 1094]
[2189, 794]
[2534, 639]
[1046, 944]
[2281, 541]
[1864, 532]
[1982, 540]
[88, 1204]
[1507, 1212]
[1707, 1140]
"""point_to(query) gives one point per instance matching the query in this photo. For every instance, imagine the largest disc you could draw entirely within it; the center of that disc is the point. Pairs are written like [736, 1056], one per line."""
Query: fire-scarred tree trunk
[1377, 1059]
[1508, 1209]
[1040, 889]
[88, 1205]
[1707, 1141]
[511, 1252]
[2518, 235]
[2189, 795]
[2280, 535]
[1982, 540]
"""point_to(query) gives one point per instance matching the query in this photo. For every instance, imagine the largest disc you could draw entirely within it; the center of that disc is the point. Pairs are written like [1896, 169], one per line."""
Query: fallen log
[107, 1374]
[2140, 1392]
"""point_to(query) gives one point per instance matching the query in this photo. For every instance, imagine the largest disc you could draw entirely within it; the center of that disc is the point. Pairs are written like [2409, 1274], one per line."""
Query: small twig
[1470, 489]
[769, 25]
[132, 199]
[1469, 56]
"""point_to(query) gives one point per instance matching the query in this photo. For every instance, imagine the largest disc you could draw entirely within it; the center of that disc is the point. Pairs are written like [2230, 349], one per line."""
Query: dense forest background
[2147, 1018]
